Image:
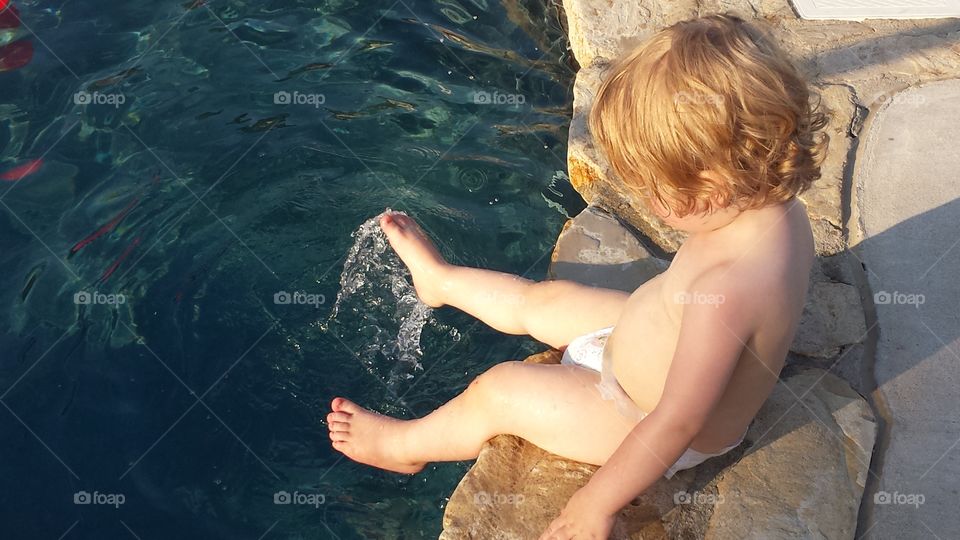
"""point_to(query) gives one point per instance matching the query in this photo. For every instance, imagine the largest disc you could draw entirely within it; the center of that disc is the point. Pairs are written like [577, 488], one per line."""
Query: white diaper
[586, 351]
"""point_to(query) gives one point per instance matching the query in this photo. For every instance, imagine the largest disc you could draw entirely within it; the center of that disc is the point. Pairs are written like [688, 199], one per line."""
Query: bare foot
[418, 253]
[367, 437]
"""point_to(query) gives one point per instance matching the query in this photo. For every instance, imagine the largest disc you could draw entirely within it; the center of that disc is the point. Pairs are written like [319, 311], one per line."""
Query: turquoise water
[183, 192]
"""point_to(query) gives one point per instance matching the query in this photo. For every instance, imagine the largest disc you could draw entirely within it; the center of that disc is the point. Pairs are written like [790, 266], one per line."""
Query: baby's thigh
[557, 408]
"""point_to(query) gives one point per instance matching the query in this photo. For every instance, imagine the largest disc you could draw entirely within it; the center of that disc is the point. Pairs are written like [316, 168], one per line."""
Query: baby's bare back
[772, 253]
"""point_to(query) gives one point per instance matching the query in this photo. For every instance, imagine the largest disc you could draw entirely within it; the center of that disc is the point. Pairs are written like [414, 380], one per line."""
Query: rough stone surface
[832, 319]
[824, 198]
[800, 474]
[804, 475]
[601, 29]
[596, 249]
[908, 205]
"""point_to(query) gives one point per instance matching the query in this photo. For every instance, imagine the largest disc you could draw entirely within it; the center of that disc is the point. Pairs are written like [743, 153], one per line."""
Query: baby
[709, 125]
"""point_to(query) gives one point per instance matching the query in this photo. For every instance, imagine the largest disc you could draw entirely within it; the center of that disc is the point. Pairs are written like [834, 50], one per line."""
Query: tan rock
[803, 477]
[824, 198]
[603, 28]
[596, 249]
[832, 318]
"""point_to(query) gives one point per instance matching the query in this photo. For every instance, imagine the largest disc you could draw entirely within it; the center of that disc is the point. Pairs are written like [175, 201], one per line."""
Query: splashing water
[375, 294]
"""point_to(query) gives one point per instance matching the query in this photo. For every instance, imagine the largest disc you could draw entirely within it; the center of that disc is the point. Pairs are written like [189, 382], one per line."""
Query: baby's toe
[337, 404]
[343, 405]
[339, 426]
[338, 417]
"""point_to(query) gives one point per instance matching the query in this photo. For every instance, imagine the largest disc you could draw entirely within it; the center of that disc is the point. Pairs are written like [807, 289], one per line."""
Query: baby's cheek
[658, 208]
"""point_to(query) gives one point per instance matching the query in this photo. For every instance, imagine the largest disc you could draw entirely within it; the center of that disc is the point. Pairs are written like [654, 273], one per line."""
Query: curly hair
[710, 94]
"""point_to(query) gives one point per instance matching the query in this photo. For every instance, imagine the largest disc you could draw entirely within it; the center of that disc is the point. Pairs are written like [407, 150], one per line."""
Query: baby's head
[709, 118]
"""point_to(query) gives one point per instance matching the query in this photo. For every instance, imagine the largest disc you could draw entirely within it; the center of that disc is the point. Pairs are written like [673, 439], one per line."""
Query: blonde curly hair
[710, 94]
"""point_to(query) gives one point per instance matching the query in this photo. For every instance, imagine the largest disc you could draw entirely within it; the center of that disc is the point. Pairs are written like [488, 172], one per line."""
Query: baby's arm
[711, 340]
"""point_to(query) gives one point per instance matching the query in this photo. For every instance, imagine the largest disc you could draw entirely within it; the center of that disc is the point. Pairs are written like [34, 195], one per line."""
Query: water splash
[375, 295]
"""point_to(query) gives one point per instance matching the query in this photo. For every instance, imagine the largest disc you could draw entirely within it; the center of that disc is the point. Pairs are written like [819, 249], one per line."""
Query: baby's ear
[719, 194]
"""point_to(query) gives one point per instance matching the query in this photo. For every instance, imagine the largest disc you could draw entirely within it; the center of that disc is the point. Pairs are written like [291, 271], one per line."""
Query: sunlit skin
[702, 371]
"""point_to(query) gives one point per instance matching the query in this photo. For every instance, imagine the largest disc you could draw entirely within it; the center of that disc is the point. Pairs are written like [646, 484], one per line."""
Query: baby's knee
[494, 383]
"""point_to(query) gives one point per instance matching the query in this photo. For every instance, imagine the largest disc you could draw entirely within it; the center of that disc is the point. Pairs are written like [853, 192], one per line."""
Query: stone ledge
[595, 249]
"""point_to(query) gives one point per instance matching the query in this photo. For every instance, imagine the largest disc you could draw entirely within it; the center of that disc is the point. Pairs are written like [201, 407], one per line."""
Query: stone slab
[908, 203]
[594, 248]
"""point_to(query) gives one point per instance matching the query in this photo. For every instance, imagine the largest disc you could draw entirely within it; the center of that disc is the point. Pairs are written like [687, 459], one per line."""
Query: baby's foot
[418, 253]
[367, 437]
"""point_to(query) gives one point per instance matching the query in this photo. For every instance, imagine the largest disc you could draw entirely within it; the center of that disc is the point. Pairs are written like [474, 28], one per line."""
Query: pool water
[186, 194]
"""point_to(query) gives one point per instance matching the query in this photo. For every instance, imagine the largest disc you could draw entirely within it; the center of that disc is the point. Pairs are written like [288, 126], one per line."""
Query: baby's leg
[555, 407]
[553, 312]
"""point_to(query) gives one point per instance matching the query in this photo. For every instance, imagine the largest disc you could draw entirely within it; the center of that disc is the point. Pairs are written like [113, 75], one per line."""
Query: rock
[804, 475]
[850, 364]
[800, 474]
[594, 248]
[832, 318]
[602, 29]
[824, 198]
[908, 206]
